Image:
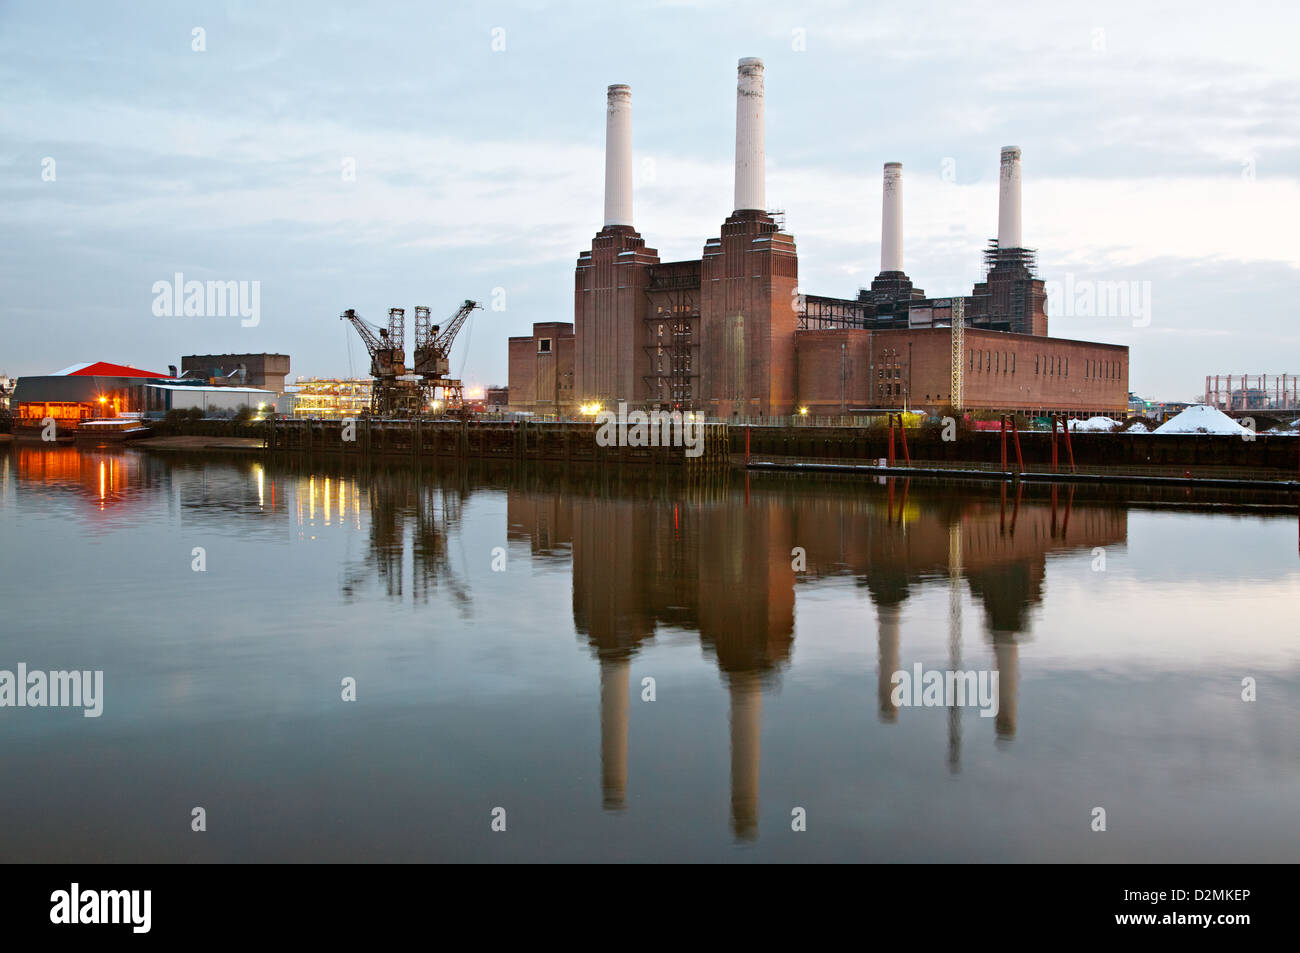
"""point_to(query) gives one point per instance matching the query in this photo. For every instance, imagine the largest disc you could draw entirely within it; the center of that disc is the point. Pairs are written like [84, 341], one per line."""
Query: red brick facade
[542, 370]
[609, 312]
[748, 315]
[846, 371]
[720, 335]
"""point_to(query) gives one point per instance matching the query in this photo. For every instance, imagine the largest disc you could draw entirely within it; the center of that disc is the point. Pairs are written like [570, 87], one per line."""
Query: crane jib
[394, 393]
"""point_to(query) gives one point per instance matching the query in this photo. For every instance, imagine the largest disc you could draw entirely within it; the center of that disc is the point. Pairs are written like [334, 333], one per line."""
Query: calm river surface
[638, 668]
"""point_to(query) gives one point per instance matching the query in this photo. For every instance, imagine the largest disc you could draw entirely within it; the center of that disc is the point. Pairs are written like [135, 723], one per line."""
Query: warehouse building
[542, 371]
[80, 392]
[265, 371]
[100, 390]
[212, 401]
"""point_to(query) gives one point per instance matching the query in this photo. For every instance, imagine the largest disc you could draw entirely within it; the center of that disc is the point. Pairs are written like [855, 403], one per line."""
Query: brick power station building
[731, 335]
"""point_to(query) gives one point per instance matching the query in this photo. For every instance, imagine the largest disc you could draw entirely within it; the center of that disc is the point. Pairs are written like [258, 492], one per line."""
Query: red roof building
[104, 369]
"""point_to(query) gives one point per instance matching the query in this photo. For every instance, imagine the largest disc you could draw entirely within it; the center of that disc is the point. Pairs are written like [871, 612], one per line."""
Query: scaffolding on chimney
[1009, 271]
[957, 383]
[1022, 259]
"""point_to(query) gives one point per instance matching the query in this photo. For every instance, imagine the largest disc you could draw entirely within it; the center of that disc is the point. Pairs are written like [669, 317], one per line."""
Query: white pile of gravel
[1094, 425]
[1202, 418]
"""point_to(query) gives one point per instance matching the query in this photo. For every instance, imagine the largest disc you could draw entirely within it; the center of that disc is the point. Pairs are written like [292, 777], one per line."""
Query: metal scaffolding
[1277, 392]
[672, 342]
[956, 390]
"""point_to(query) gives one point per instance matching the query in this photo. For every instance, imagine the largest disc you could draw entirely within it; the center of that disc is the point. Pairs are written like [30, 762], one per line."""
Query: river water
[638, 667]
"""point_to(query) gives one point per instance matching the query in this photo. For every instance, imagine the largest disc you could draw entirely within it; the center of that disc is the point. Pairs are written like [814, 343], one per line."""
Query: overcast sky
[1161, 144]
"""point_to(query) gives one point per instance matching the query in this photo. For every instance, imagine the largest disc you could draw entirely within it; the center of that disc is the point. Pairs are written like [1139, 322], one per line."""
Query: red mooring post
[1015, 436]
[1069, 447]
[902, 433]
[746, 445]
[1003, 421]
[1053, 443]
[891, 440]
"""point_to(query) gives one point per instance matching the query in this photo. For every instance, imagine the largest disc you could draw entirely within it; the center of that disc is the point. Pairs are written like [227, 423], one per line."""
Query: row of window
[995, 362]
[1046, 365]
[1102, 370]
[59, 410]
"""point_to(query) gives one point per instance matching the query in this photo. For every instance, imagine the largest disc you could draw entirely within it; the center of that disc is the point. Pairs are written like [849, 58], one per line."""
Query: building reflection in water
[410, 516]
[715, 560]
[104, 478]
[720, 563]
[401, 509]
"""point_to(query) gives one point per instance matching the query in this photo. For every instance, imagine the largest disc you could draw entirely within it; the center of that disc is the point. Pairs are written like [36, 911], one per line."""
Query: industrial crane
[433, 353]
[397, 393]
[392, 394]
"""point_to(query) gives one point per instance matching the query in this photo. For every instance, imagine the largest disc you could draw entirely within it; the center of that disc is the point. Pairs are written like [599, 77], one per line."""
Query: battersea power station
[732, 336]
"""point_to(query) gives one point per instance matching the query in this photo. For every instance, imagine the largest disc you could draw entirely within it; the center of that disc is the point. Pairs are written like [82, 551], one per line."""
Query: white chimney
[891, 219]
[1009, 199]
[618, 155]
[750, 165]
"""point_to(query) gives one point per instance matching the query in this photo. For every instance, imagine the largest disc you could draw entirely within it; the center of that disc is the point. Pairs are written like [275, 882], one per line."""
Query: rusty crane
[433, 355]
[393, 394]
[402, 391]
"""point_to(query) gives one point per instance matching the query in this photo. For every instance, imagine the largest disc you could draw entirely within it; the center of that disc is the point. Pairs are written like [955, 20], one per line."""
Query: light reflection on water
[1117, 686]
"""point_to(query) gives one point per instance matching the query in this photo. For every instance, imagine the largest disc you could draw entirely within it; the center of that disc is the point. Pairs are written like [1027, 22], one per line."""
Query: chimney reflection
[1007, 653]
[887, 615]
[614, 676]
[746, 742]
[614, 599]
[706, 561]
[746, 582]
[954, 640]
